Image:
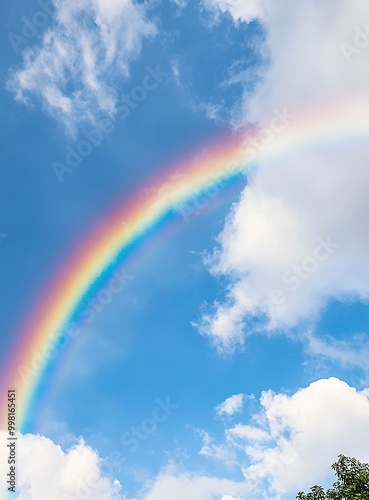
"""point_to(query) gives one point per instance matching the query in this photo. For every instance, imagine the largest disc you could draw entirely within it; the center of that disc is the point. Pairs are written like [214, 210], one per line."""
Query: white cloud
[240, 10]
[248, 432]
[291, 442]
[354, 352]
[183, 485]
[81, 58]
[45, 471]
[231, 405]
[311, 197]
[180, 3]
[307, 431]
[218, 452]
[287, 445]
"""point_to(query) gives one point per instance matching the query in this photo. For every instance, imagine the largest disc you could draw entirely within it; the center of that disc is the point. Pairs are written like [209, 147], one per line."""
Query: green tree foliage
[352, 482]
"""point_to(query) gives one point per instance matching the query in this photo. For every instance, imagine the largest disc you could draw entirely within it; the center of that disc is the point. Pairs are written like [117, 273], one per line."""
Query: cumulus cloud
[81, 58]
[45, 471]
[291, 441]
[305, 432]
[287, 445]
[299, 235]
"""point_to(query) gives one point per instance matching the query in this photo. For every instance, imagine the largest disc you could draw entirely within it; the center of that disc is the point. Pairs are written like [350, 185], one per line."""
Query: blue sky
[188, 327]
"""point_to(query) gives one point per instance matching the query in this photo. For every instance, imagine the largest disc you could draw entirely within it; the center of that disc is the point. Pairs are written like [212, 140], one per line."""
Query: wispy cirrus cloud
[88, 49]
[232, 405]
[240, 10]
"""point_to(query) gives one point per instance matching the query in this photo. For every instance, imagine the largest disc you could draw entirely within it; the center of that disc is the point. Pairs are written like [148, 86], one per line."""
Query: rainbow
[166, 199]
[216, 166]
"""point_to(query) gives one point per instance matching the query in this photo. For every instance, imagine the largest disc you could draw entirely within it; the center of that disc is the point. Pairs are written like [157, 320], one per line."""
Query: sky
[232, 363]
